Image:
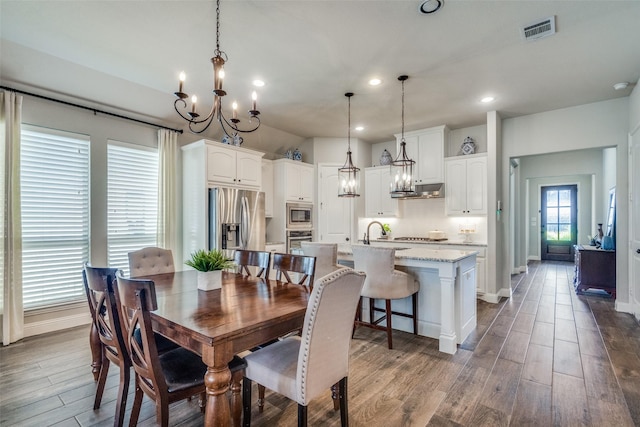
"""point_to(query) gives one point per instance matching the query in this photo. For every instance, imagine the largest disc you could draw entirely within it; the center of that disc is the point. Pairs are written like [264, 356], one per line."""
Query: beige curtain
[11, 225]
[167, 189]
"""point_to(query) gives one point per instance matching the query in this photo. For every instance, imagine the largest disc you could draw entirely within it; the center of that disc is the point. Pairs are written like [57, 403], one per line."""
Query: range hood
[424, 191]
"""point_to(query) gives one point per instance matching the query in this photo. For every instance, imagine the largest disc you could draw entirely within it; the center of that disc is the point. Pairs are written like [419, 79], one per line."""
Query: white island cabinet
[447, 296]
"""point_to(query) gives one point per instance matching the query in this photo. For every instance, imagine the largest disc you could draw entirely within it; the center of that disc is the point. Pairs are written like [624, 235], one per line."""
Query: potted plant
[387, 230]
[209, 265]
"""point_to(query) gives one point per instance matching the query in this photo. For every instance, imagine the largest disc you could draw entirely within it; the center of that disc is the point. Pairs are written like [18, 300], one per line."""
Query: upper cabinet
[233, 166]
[267, 186]
[378, 201]
[426, 148]
[466, 185]
[296, 178]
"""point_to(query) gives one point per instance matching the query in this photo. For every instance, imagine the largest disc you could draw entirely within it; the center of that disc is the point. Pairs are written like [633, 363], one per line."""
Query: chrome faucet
[366, 240]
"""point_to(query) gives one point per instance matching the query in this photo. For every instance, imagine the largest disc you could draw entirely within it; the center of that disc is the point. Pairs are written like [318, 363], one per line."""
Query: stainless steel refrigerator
[236, 219]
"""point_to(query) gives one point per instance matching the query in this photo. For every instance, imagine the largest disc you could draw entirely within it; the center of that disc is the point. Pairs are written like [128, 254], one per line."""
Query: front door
[559, 229]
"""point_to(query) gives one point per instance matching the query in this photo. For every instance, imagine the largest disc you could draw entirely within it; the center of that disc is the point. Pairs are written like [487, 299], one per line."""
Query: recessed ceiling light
[621, 85]
[487, 99]
[258, 83]
[375, 82]
[359, 128]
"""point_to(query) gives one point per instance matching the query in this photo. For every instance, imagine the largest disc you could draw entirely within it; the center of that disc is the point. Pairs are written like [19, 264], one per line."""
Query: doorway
[558, 222]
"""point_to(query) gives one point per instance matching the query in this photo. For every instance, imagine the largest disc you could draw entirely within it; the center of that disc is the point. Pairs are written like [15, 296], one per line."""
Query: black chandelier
[348, 175]
[230, 127]
[402, 167]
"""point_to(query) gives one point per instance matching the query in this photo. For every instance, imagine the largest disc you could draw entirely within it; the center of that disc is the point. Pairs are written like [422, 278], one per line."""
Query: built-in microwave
[299, 215]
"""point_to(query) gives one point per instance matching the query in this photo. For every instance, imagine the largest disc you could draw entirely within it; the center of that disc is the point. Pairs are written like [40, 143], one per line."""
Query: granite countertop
[433, 242]
[419, 254]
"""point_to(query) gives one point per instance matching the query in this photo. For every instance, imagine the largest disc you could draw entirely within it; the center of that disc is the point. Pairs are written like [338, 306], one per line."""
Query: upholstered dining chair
[149, 261]
[326, 257]
[245, 258]
[165, 378]
[383, 282]
[284, 264]
[303, 367]
[98, 285]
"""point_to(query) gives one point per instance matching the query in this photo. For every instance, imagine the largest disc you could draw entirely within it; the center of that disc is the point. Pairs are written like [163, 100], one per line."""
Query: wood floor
[545, 357]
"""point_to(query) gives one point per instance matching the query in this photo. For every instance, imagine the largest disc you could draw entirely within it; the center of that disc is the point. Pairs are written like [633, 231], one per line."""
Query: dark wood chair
[169, 377]
[289, 263]
[98, 285]
[246, 258]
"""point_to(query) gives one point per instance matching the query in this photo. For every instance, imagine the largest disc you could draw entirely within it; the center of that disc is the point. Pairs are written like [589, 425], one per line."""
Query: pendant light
[401, 169]
[349, 174]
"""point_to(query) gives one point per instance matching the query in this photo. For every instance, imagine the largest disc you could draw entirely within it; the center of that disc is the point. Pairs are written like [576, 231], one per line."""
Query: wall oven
[295, 238]
[299, 215]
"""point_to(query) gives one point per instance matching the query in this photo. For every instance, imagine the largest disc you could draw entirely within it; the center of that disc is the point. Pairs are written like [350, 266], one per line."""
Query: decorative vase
[385, 158]
[297, 155]
[209, 280]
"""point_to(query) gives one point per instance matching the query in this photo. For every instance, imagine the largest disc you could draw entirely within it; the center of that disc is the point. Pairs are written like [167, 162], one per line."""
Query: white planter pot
[209, 280]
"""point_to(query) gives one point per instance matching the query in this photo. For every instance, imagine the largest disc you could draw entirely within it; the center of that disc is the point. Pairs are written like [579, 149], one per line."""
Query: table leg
[96, 351]
[216, 380]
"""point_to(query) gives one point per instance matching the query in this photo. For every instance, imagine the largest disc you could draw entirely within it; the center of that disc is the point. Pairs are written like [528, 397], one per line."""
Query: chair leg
[102, 379]
[358, 316]
[96, 352]
[372, 303]
[302, 416]
[123, 391]
[135, 410]
[236, 401]
[415, 314]
[388, 313]
[344, 410]
[335, 395]
[260, 398]
[246, 402]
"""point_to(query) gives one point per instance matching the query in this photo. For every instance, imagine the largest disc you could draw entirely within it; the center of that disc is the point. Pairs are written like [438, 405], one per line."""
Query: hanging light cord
[402, 140]
[349, 129]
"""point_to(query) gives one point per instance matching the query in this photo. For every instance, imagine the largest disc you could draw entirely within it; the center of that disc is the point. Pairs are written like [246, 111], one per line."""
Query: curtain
[11, 225]
[167, 192]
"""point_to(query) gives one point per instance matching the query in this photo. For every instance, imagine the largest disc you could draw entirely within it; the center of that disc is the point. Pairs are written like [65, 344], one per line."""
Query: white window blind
[132, 198]
[54, 174]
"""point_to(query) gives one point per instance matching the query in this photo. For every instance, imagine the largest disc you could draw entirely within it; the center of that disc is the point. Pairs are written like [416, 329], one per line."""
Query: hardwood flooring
[545, 357]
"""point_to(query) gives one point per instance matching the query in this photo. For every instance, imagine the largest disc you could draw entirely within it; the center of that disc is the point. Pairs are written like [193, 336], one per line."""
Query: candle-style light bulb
[221, 73]
[181, 77]
[254, 99]
[194, 99]
[235, 109]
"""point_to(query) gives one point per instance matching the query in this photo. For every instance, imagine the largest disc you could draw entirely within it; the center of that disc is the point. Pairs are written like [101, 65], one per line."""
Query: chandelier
[198, 124]
[402, 167]
[348, 175]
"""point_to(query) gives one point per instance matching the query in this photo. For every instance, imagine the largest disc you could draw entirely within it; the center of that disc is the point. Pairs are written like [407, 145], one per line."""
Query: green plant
[386, 228]
[203, 260]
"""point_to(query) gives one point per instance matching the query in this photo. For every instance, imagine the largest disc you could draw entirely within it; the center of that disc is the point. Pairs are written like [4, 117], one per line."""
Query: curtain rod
[95, 110]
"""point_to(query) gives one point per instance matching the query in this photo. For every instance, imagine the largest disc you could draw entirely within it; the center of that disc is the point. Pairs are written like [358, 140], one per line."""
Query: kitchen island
[447, 296]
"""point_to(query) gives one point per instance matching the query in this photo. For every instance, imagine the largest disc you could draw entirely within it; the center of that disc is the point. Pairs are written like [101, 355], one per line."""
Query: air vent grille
[539, 29]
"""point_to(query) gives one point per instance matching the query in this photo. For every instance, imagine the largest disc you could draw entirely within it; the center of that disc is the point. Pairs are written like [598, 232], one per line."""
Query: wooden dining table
[217, 324]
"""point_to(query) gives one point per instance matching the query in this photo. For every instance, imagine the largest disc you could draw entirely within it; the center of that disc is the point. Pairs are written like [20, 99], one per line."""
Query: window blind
[132, 199]
[54, 174]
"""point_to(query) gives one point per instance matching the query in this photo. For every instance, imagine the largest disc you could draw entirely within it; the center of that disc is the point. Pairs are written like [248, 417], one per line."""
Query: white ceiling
[127, 55]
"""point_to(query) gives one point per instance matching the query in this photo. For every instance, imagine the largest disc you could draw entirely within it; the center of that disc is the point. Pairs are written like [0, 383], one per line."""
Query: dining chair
[290, 263]
[245, 258]
[384, 282]
[326, 257]
[149, 261]
[98, 285]
[303, 367]
[169, 377]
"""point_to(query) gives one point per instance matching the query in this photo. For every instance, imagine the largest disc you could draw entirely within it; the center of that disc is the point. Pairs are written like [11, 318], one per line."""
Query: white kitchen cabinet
[466, 185]
[378, 202]
[296, 178]
[426, 148]
[267, 186]
[233, 166]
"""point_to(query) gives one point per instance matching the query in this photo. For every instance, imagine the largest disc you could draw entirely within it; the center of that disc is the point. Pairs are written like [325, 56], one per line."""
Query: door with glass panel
[559, 228]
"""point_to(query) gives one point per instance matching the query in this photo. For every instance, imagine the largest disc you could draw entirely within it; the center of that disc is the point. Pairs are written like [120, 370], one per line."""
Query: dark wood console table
[594, 269]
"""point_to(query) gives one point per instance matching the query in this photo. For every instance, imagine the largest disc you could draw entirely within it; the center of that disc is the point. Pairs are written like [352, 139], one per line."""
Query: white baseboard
[520, 269]
[57, 324]
[490, 298]
[625, 307]
[533, 258]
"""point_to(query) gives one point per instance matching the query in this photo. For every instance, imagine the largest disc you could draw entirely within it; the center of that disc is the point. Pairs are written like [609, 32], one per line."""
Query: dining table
[245, 312]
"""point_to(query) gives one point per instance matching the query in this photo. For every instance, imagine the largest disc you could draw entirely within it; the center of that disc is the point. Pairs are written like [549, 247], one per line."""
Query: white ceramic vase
[209, 280]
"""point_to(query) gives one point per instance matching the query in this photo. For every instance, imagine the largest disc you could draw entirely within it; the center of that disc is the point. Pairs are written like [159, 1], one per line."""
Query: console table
[595, 269]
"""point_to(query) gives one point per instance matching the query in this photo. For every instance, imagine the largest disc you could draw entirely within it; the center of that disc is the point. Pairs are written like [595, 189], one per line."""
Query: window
[54, 175]
[132, 201]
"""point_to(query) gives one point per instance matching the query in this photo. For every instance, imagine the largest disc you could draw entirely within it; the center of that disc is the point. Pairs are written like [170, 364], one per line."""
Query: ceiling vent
[539, 29]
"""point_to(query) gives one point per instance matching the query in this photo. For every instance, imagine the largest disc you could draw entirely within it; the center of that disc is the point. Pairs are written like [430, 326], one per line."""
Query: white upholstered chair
[303, 367]
[149, 261]
[326, 257]
[383, 282]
